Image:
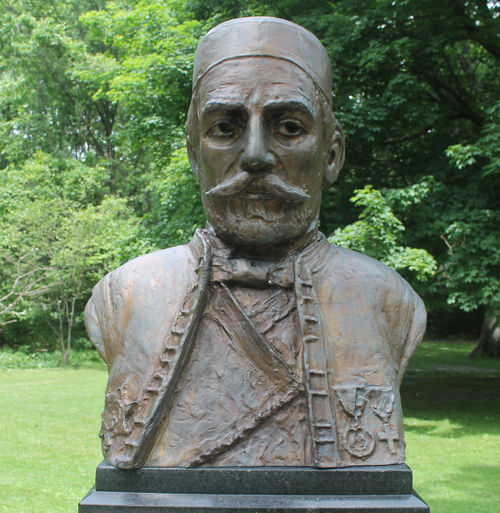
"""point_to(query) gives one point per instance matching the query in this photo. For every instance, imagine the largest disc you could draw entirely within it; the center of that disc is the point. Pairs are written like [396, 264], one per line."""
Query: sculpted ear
[193, 160]
[336, 155]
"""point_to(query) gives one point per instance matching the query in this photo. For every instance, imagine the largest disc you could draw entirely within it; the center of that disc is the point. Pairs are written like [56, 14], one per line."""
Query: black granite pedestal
[378, 489]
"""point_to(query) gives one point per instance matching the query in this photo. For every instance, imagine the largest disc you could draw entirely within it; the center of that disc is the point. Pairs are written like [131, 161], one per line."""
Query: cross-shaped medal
[390, 436]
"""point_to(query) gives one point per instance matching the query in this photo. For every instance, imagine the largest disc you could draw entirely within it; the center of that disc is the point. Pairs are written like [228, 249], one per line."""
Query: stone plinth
[253, 490]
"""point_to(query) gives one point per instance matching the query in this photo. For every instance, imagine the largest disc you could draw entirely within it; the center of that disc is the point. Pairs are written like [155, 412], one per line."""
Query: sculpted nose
[256, 156]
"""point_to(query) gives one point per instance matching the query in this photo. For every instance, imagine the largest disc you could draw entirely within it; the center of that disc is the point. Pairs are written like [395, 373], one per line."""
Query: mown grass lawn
[49, 446]
[452, 426]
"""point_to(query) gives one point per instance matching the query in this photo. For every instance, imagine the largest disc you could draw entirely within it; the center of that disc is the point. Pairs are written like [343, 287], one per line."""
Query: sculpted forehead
[256, 80]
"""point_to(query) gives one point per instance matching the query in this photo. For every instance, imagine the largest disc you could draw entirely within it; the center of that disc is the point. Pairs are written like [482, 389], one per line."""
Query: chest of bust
[226, 389]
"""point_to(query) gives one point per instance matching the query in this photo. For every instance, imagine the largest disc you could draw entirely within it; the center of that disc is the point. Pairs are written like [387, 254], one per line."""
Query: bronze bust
[259, 343]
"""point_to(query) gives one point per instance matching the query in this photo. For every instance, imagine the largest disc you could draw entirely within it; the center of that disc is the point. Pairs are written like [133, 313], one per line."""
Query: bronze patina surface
[258, 343]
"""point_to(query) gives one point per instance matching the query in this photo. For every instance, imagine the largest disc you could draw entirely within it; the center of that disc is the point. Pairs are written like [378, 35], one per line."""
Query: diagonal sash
[243, 332]
[283, 383]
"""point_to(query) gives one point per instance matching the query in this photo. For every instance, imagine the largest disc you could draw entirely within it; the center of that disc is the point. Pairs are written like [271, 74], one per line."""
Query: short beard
[258, 223]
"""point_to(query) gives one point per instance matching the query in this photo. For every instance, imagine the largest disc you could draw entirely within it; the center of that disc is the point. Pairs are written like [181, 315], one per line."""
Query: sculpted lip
[255, 190]
[255, 186]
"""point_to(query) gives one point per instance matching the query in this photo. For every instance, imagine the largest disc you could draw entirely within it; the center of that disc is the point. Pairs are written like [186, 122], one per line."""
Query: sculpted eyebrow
[290, 105]
[216, 105]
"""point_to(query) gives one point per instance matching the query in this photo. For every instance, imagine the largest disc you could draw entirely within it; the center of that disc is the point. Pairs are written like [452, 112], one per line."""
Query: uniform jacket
[193, 382]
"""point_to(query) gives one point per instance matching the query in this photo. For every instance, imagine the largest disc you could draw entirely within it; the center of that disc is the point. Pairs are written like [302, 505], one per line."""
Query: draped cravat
[253, 274]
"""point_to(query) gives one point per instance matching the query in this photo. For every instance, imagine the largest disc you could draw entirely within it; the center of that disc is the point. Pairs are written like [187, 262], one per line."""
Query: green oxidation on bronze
[259, 343]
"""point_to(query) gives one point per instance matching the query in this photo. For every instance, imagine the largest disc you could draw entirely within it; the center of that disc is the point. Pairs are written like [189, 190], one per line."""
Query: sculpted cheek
[209, 157]
[216, 162]
[301, 166]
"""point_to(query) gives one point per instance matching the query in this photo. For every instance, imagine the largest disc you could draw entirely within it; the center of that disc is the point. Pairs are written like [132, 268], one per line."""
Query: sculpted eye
[224, 129]
[289, 128]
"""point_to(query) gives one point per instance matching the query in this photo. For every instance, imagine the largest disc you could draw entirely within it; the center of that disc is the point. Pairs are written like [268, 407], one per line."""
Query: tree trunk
[489, 341]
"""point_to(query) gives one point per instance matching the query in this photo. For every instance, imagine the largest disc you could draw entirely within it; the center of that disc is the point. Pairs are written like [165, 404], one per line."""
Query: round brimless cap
[265, 37]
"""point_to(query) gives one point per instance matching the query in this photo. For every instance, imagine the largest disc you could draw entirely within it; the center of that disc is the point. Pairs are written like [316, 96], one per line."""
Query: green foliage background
[93, 171]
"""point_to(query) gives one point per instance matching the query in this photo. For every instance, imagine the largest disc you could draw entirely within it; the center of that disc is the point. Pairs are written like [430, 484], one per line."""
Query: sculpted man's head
[262, 138]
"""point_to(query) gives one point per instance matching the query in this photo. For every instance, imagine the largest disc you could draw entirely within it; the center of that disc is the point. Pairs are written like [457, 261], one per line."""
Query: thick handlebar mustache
[277, 187]
[270, 182]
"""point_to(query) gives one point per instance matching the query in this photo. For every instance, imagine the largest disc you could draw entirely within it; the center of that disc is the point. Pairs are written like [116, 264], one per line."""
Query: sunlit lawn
[49, 446]
[48, 443]
[452, 426]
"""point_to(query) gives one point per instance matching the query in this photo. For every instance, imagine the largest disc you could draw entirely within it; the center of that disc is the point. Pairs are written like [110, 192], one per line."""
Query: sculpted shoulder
[350, 266]
[150, 269]
[360, 282]
[369, 304]
[132, 295]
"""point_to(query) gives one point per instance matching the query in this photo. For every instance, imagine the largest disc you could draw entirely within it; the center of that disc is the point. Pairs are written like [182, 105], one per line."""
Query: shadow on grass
[433, 353]
[470, 403]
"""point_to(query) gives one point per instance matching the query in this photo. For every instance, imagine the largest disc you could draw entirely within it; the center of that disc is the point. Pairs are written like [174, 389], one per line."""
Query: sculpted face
[262, 148]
